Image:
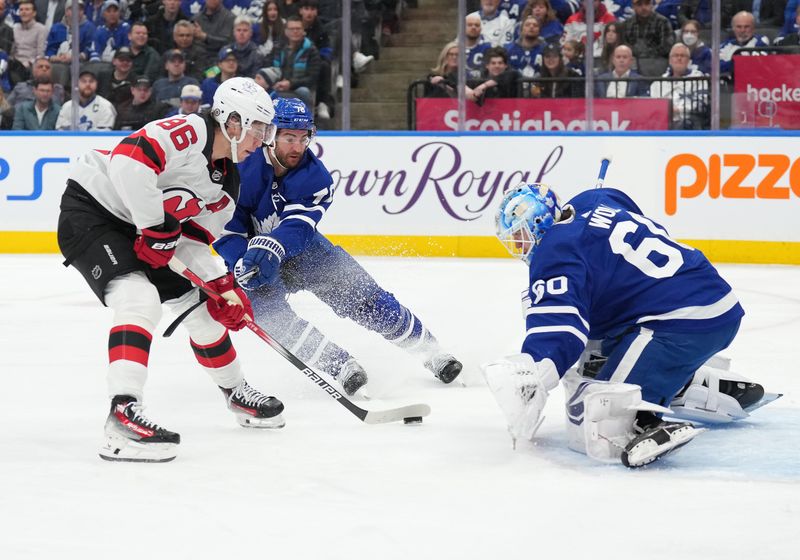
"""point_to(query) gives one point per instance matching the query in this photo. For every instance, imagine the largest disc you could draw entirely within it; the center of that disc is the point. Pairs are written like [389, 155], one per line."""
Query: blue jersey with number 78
[609, 269]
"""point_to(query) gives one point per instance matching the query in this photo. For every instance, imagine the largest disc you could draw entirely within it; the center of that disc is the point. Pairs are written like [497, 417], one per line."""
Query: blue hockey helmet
[525, 214]
[292, 113]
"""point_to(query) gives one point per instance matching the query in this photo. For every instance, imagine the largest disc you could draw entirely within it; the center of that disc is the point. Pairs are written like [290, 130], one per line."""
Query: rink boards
[734, 195]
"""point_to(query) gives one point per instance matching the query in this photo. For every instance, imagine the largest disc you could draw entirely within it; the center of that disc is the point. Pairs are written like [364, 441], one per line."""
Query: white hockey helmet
[249, 101]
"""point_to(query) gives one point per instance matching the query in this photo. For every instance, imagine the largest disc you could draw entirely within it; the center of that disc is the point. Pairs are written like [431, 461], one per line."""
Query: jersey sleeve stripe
[293, 207]
[195, 232]
[558, 309]
[696, 312]
[559, 328]
[143, 149]
[301, 217]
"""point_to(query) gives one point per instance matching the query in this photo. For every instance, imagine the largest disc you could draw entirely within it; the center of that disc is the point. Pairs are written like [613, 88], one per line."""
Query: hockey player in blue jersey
[654, 312]
[273, 247]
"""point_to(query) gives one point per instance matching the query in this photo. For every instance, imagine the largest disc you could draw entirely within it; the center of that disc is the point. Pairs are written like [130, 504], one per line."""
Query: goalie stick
[601, 177]
[366, 416]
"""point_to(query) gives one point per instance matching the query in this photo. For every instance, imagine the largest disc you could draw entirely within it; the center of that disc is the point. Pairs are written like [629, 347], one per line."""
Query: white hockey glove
[521, 386]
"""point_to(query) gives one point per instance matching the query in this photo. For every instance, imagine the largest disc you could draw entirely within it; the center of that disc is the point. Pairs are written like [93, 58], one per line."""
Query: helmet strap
[274, 157]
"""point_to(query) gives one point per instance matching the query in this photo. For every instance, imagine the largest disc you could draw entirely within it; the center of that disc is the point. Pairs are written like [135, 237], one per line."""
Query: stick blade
[397, 414]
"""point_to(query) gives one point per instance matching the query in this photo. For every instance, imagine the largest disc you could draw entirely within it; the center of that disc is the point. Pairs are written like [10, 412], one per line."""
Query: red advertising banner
[545, 114]
[766, 91]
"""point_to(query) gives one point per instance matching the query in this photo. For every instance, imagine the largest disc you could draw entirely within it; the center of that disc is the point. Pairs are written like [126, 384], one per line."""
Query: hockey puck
[413, 420]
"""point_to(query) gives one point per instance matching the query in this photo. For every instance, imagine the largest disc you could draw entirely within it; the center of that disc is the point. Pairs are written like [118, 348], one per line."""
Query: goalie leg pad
[600, 416]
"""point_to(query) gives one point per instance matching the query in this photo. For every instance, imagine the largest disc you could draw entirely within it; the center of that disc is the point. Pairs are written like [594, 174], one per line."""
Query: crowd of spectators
[641, 48]
[145, 59]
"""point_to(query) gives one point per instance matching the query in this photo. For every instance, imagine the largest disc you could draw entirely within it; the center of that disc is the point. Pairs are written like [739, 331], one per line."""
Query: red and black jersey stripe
[217, 354]
[140, 147]
[129, 342]
[193, 231]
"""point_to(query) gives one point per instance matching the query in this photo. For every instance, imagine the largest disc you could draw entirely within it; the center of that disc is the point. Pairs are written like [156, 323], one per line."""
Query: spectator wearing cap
[168, 89]
[112, 35]
[161, 25]
[41, 70]
[213, 27]
[552, 69]
[299, 62]
[650, 36]
[146, 61]
[194, 53]
[94, 111]
[30, 36]
[267, 77]
[39, 113]
[228, 68]
[244, 48]
[59, 40]
[141, 108]
[122, 78]
[190, 102]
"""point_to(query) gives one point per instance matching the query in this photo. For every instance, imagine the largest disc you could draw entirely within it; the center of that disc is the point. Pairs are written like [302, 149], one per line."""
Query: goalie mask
[526, 213]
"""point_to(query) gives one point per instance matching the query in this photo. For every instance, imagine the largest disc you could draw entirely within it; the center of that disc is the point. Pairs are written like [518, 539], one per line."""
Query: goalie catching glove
[156, 245]
[234, 312]
[259, 265]
[521, 386]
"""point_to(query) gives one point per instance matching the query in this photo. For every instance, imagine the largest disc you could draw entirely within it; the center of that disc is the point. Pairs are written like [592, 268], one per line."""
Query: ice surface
[329, 487]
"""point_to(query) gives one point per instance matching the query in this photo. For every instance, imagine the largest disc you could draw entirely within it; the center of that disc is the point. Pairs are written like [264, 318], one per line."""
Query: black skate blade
[766, 399]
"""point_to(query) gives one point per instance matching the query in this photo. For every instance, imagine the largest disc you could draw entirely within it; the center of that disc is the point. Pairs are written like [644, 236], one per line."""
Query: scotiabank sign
[767, 91]
[545, 114]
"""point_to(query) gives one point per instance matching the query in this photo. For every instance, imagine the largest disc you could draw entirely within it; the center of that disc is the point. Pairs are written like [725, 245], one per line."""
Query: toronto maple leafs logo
[266, 225]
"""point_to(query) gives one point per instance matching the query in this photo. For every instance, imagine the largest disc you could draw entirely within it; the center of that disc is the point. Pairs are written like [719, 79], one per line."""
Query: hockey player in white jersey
[167, 189]
[659, 311]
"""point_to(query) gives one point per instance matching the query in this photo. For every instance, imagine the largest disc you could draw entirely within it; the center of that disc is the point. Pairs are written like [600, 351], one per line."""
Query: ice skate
[130, 436]
[351, 377]
[444, 366]
[252, 408]
[656, 439]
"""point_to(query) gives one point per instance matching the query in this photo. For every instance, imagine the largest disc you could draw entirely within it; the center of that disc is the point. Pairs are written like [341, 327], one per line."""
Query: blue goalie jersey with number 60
[609, 269]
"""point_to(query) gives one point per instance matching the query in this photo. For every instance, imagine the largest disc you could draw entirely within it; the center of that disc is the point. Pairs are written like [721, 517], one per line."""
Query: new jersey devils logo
[182, 203]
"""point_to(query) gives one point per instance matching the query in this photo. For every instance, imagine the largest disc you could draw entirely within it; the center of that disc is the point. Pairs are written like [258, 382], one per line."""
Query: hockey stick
[366, 416]
[601, 177]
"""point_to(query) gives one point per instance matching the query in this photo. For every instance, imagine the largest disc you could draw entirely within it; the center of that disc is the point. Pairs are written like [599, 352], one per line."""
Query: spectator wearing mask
[39, 113]
[700, 53]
